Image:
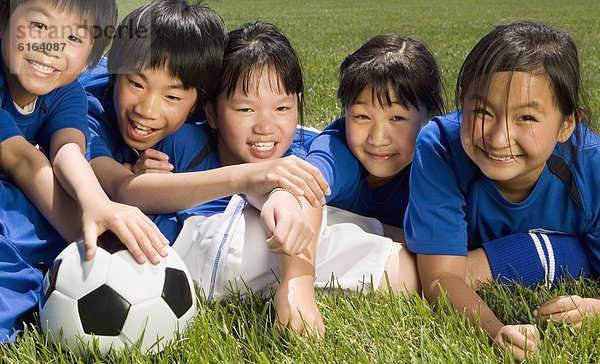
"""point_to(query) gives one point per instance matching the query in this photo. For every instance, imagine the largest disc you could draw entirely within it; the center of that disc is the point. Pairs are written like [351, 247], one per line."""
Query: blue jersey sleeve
[8, 126]
[67, 110]
[331, 155]
[435, 221]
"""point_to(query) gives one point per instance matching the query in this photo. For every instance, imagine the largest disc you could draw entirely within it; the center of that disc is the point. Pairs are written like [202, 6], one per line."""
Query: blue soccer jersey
[454, 208]
[347, 179]
[64, 107]
[106, 140]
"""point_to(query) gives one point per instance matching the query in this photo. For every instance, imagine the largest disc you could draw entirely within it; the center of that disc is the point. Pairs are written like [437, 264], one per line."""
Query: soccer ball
[115, 300]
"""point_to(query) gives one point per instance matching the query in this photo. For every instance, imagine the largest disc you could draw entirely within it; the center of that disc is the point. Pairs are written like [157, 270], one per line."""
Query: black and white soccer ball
[115, 300]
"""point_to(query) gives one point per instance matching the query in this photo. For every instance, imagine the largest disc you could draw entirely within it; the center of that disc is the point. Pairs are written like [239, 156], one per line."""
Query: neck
[19, 95]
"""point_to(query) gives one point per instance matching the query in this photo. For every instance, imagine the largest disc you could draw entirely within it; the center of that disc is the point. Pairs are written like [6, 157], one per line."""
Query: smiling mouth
[41, 68]
[502, 159]
[140, 129]
[263, 146]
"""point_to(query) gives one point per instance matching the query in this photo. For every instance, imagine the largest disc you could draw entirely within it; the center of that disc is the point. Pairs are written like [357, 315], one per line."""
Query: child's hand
[152, 161]
[568, 309]
[139, 234]
[297, 307]
[290, 172]
[519, 339]
[288, 227]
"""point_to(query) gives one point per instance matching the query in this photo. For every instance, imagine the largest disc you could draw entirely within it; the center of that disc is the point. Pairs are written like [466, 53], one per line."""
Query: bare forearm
[464, 299]
[163, 193]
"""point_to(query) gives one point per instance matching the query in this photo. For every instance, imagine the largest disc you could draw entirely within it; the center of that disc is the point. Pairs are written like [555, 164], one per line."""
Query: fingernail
[328, 192]
[163, 252]
[141, 259]
[535, 312]
[323, 201]
[89, 254]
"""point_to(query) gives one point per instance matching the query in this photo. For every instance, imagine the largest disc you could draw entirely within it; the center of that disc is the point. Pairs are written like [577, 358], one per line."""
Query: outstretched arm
[294, 232]
[168, 192]
[99, 213]
[448, 273]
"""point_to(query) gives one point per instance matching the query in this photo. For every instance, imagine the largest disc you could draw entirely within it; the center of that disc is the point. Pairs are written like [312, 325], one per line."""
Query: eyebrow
[361, 102]
[177, 85]
[528, 105]
[45, 13]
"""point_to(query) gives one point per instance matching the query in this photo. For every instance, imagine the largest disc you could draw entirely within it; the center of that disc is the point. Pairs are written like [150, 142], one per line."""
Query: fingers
[152, 161]
[305, 179]
[289, 237]
[519, 339]
[135, 230]
[554, 308]
[90, 236]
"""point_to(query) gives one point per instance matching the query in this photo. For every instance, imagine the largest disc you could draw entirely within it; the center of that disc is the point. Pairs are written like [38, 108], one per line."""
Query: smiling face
[257, 126]
[382, 138]
[150, 106]
[513, 134]
[43, 49]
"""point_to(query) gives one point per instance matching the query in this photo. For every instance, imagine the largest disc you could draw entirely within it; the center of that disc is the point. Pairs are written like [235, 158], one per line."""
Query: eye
[135, 84]
[173, 98]
[481, 112]
[38, 25]
[361, 117]
[244, 109]
[527, 118]
[74, 39]
[282, 108]
[397, 118]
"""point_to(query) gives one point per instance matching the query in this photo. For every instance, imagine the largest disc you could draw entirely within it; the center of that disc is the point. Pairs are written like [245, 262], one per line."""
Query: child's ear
[211, 118]
[568, 126]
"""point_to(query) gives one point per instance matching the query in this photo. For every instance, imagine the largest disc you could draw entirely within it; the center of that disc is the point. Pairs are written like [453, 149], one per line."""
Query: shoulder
[95, 80]
[188, 148]
[302, 140]
[580, 171]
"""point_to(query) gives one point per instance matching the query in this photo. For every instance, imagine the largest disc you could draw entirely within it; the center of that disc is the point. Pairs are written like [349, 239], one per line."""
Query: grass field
[377, 327]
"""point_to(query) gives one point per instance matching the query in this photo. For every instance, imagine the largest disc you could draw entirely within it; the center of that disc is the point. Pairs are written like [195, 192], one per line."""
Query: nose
[497, 134]
[49, 45]
[264, 125]
[379, 134]
[147, 106]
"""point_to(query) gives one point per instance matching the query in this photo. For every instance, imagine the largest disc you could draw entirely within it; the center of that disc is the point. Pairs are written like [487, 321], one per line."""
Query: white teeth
[143, 130]
[504, 159]
[40, 67]
[263, 145]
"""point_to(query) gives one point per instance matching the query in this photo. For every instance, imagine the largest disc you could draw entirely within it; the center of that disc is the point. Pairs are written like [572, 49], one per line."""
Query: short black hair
[186, 38]
[103, 13]
[390, 62]
[259, 47]
[527, 47]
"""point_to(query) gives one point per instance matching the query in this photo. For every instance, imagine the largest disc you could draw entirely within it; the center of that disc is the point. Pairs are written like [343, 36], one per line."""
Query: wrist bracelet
[290, 192]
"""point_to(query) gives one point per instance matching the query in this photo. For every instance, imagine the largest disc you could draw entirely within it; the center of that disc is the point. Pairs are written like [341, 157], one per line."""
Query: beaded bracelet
[290, 192]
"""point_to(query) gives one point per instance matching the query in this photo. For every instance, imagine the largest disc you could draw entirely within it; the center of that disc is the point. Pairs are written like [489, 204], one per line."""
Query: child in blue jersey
[389, 88]
[45, 46]
[515, 162]
[138, 104]
[227, 243]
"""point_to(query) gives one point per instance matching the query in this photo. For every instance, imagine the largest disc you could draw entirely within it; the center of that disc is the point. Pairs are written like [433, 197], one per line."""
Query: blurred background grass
[324, 32]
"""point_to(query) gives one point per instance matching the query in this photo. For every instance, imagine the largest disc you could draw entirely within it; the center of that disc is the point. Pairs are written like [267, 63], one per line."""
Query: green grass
[376, 327]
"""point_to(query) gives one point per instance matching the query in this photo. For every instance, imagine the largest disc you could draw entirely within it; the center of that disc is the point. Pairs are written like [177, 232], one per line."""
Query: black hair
[392, 63]
[186, 38]
[526, 47]
[259, 47]
[102, 12]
